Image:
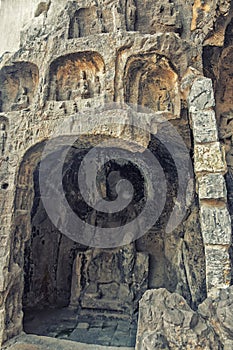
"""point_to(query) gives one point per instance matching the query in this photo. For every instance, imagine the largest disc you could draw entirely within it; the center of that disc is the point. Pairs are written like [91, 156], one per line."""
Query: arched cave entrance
[91, 295]
[69, 286]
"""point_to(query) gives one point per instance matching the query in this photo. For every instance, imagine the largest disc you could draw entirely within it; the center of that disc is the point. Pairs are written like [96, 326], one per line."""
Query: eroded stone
[209, 158]
[216, 225]
[211, 186]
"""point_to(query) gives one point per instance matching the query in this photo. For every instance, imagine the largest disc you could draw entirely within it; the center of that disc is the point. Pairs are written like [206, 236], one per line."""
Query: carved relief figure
[86, 21]
[53, 89]
[22, 100]
[3, 138]
[226, 134]
[0, 101]
[130, 15]
[69, 82]
[165, 18]
[117, 16]
[84, 86]
[97, 88]
[164, 100]
[76, 31]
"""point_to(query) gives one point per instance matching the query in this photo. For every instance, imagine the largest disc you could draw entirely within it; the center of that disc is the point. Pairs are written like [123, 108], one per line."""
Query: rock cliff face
[167, 322]
[174, 60]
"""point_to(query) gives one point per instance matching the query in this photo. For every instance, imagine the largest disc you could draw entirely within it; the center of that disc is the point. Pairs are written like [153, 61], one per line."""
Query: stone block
[209, 158]
[83, 325]
[204, 126]
[216, 225]
[201, 95]
[211, 186]
[218, 266]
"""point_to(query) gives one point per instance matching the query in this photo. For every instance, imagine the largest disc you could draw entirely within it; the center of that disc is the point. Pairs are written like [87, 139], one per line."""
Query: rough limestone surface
[212, 186]
[60, 58]
[167, 322]
[212, 233]
[204, 126]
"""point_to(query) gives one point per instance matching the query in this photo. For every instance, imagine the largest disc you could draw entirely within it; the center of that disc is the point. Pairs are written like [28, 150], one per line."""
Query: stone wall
[74, 56]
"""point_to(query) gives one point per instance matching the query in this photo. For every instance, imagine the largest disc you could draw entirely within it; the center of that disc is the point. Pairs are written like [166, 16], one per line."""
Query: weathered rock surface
[167, 322]
[61, 57]
[30, 342]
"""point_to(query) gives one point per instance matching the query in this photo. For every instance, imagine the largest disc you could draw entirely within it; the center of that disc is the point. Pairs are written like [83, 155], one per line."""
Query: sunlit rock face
[169, 63]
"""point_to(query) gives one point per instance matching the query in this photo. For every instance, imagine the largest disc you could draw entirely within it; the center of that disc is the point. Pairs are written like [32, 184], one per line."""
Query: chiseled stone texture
[218, 266]
[211, 186]
[204, 126]
[201, 95]
[209, 158]
[79, 54]
[216, 225]
[218, 313]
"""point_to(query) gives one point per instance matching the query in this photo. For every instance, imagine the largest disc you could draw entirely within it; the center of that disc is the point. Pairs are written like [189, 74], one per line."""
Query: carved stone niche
[86, 21]
[157, 16]
[112, 280]
[150, 81]
[18, 84]
[76, 76]
[165, 18]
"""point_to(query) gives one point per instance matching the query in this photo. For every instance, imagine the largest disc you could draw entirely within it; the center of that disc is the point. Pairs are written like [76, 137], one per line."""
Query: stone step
[33, 342]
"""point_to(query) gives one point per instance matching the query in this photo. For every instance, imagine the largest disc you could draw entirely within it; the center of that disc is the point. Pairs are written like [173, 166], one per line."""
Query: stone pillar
[210, 167]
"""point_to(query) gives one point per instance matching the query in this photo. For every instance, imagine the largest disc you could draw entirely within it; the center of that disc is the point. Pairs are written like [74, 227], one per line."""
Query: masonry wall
[65, 65]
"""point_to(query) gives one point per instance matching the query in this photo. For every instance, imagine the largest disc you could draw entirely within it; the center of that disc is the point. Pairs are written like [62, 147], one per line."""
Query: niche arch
[18, 86]
[29, 244]
[151, 81]
[84, 22]
[76, 75]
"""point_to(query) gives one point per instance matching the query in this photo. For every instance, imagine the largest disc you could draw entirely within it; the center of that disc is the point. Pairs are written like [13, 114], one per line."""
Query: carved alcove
[106, 18]
[18, 85]
[155, 17]
[85, 22]
[67, 282]
[76, 76]
[151, 81]
[112, 280]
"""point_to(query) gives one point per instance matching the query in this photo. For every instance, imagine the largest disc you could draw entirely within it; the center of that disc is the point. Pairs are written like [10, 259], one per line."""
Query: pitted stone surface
[201, 95]
[167, 322]
[79, 54]
[204, 126]
[212, 186]
[216, 225]
[209, 158]
[218, 266]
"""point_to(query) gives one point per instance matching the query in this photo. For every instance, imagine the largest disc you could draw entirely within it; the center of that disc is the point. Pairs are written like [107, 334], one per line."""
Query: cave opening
[76, 292]
[91, 295]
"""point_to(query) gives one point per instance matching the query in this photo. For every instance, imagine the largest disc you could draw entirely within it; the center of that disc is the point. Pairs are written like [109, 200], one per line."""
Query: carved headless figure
[97, 85]
[22, 100]
[84, 86]
[0, 101]
[3, 137]
[116, 14]
[130, 15]
[76, 30]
